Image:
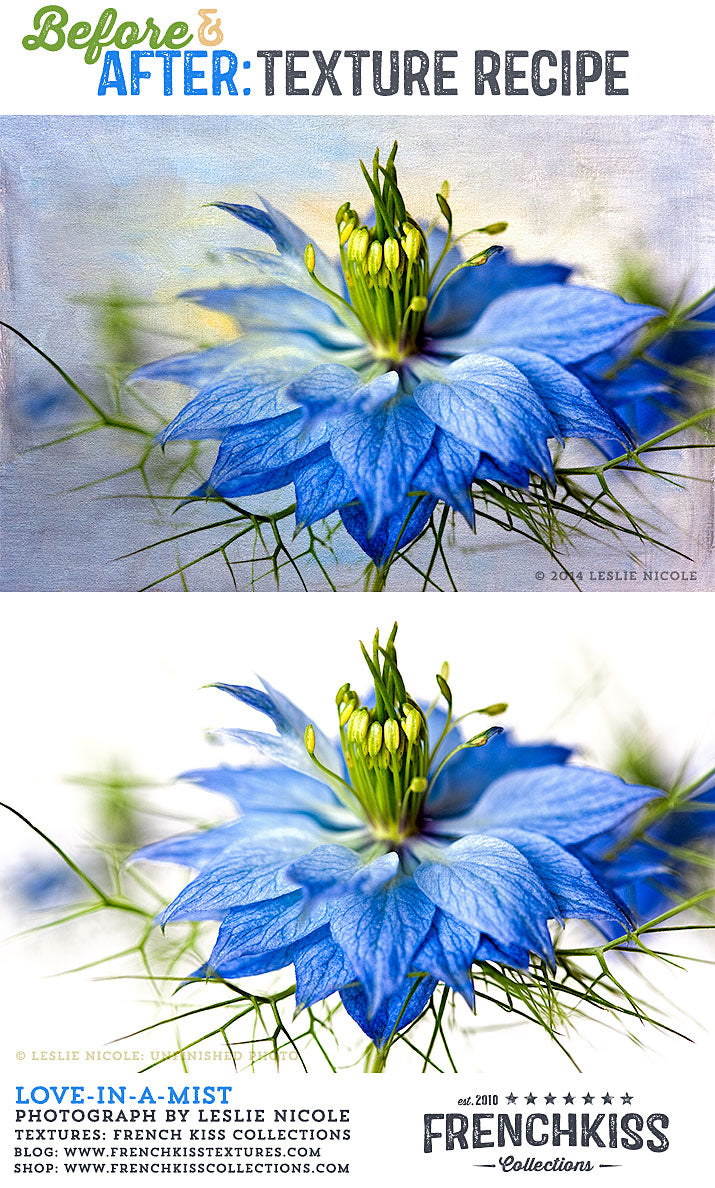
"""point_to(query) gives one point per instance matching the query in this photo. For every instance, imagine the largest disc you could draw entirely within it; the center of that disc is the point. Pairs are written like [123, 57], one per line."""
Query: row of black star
[588, 1098]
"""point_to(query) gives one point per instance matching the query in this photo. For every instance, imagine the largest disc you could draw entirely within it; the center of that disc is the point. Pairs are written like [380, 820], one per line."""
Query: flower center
[390, 766]
[389, 280]
[387, 757]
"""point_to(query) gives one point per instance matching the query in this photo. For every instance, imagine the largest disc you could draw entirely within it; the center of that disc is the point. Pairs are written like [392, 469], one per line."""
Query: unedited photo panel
[401, 850]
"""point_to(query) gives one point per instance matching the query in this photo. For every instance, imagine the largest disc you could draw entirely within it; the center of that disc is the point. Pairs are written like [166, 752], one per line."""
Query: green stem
[628, 937]
[630, 455]
[448, 243]
[443, 282]
[336, 297]
[377, 1059]
[683, 313]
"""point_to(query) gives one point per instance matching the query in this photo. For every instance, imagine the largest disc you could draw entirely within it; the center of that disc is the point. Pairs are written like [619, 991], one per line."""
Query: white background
[89, 677]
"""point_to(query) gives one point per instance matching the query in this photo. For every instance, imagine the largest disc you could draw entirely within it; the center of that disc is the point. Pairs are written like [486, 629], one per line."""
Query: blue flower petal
[288, 238]
[379, 934]
[287, 720]
[512, 475]
[463, 298]
[321, 487]
[298, 240]
[320, 969]
[242, 485]
[254, 389]
[380, 451]
[334, 388]
[286, 750]
[208, 846]
[275, 307]
[447, 953]
[260, 962]
[487, 403]
[639, 395]
[447, 472]
[574, 409]
[332, 870]
[691, 342]
[286, 271]
[395, 532]
[567, 322]
[488, 885]
[642, 875]
[694, 819]
[196, 850]
[194, 368]
[264, 927]
[638, 862]
[264, 448]
[259, 871]
[291, 723]
[273, 790]
[511, 955]
[397, 1011]
[645, 900]
[469, 774]
[568, 804]
[575, 890]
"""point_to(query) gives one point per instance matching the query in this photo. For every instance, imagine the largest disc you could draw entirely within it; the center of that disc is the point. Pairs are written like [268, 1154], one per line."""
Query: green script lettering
[51, 21]
[48, 20]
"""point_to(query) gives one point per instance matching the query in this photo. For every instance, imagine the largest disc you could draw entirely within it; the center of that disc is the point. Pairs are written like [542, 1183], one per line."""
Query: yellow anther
[347, 712]
[412, 724]
[358, 244]
[359, 726]
[374, 258]
[374, 739]
[482, 257]
[480, 739]
[412, 242]
[391, 734]
[347, 231]
[392, 254]
[492, 711]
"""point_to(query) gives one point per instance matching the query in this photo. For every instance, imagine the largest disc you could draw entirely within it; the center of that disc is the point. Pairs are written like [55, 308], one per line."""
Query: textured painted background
[92, 205]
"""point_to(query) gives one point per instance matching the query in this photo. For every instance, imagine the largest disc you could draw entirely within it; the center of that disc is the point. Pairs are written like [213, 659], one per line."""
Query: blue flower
[651, 874]
[391, 861]
[392, 380]
[647, 395]
[44, 884]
